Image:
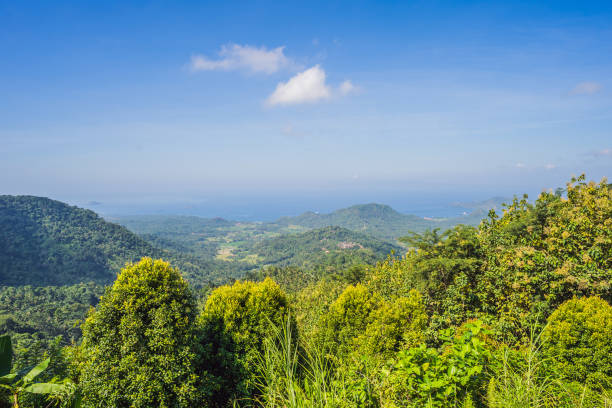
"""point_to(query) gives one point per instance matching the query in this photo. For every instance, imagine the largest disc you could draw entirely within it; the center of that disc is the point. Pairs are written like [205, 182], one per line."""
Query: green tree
[235, 321]
[538, 256]
[140, 345]
[443, 267]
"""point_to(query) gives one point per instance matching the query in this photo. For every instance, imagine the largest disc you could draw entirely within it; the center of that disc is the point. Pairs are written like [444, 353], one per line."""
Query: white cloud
[234, 56]
[586, 88]
[550, 166]
[520, 165]
[347, 87]
[306, 87]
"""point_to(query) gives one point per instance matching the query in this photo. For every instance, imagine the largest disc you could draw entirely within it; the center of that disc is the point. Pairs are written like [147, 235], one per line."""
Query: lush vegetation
[330, 246]
[46, 242]
[256, 245]
[513, 313]
[44, 317]
[382, 221]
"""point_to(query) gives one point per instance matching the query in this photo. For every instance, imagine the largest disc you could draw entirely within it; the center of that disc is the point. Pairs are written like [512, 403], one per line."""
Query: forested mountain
[47, 242]
[378, 220]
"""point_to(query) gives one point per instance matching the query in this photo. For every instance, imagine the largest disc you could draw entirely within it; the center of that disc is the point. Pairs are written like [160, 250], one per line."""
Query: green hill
[377, 220]
[47, 242]
[385, 223]
[328, 246]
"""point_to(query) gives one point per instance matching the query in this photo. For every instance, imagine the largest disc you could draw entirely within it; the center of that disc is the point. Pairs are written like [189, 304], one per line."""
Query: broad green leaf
[7, 379]
[44, 388]
[6, 354]
[42, 366]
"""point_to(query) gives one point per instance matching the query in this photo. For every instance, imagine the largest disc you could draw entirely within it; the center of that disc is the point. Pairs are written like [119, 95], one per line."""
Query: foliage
[329, 246]
[525, 379]
[140, 345]
[291, 375]
[312, 303]
[36, 316]
[18, 384]
[46, 242]
[235, 321]
[452, 376]
[450, 323]
[578, 338]
[362, 322]
[538, 256]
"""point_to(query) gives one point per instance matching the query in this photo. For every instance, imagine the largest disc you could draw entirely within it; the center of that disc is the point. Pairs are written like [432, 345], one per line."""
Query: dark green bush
[235, 321]
[578, 338]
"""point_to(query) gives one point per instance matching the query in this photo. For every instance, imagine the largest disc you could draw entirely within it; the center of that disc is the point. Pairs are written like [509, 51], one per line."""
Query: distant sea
[271, 208]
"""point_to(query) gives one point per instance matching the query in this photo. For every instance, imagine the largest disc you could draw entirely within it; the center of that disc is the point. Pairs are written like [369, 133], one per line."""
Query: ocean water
[270, 208]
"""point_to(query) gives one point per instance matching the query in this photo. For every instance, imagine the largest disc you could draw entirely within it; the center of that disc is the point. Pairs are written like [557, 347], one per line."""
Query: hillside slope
[47, 242]
[332, 246]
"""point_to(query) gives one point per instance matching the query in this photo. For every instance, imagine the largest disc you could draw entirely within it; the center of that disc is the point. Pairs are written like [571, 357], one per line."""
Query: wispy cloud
[520, 165]
[308, 86]
[603, 152]
[550, 166]
[586, 88]
[245, 57]
[347, 87]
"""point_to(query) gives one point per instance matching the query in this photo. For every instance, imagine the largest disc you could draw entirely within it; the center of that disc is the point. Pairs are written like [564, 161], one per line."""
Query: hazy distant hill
[334, 246]
[169, 224]
[47, 242]
[377, 220]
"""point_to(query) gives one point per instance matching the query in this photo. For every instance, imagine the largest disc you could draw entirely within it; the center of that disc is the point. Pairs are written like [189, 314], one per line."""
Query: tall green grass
[293, 375]
[524, 379]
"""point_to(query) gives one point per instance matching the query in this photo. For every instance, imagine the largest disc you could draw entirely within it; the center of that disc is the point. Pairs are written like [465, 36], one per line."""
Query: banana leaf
[6, 355]
[42, 366]
[7, 379]
[44, 388]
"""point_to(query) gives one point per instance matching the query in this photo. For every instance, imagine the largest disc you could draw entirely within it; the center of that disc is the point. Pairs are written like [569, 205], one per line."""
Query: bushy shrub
[140, 347]
[578, 338]
[312, 303]
[362, 322]
[235, 322]
[453, 376]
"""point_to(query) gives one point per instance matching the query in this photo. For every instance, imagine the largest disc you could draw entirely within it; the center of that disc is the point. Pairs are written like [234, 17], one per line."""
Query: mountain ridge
[48, 242]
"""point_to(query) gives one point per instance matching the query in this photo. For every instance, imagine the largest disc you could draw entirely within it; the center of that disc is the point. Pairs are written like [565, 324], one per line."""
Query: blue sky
[192, 100]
